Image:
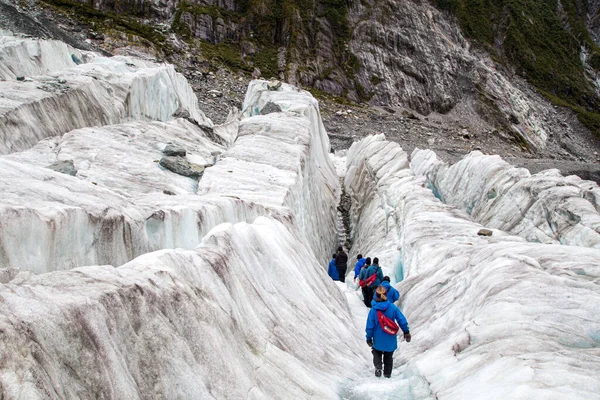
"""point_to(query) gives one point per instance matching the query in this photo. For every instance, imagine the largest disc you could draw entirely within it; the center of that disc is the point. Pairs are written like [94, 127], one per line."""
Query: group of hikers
[385, 319]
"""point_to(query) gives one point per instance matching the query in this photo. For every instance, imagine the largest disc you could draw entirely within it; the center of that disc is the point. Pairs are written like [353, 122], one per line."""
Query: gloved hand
[407, 336]
[370, 343]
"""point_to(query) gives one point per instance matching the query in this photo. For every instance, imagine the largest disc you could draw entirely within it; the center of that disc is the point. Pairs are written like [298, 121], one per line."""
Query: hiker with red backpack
[374, 275]
[382, 329]
[366, 291]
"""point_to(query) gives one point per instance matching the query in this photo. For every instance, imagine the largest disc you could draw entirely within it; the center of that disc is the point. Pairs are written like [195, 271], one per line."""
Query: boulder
[174, 150]
[181, 166]
[273, 85]
[484, 232]
[269, 108]
[64, 167]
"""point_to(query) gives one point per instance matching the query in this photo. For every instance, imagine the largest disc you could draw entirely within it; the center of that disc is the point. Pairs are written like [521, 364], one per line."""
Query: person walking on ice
[367, 292]
[382, 328]
[332, 269]
[360, 261]
[392, 294]
[341, 262]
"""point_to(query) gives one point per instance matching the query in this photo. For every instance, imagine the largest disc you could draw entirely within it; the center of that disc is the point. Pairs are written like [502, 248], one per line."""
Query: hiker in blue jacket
[375, 269]
[332, 269]
[360, 261]
[382, 343]
[392, 294]
[366, 291]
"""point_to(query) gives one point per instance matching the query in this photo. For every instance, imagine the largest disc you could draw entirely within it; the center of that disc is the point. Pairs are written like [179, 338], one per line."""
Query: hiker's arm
[370, 325]
[401, 319]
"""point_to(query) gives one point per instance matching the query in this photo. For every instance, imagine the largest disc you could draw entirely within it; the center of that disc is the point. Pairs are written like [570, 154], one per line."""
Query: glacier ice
[545, 207]
[130, 281]
[491, 317]
[215, 322]
[65, 95]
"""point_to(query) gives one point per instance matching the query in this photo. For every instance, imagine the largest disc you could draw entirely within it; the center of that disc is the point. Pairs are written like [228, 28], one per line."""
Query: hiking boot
[387, 376]
[378, 373]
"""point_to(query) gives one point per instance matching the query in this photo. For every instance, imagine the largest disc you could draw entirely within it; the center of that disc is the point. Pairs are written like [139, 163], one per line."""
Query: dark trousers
[367, 296]
[388, 361]
[342, 272]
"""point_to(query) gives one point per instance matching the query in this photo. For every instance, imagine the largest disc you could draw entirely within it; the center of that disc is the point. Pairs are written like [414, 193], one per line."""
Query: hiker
[360, 261]
[382, 328]
[374, 275]
[332, 270]
[341, 263]
[366, 291]
[392, 294]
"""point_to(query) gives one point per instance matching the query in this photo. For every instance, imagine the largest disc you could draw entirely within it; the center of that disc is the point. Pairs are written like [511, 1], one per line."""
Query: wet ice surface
[113, 288]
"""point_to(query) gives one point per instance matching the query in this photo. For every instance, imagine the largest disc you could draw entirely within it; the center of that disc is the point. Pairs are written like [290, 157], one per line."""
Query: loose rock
[181, 166]
[269, 108]
[173, 150]
[273, 85]
[64, 167]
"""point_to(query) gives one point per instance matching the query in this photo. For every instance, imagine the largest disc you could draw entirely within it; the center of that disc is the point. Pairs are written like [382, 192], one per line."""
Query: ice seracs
[545, 207]
[64, 95]
[491, 317]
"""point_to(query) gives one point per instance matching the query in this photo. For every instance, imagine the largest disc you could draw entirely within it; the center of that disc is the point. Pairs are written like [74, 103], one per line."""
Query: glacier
[128, 280]
[545, 207]
[491, 317]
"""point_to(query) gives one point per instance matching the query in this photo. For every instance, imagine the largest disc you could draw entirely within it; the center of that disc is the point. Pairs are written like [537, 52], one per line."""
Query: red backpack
[390, 327]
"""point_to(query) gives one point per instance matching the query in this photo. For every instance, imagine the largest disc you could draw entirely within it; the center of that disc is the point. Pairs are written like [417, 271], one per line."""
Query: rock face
[389, 53]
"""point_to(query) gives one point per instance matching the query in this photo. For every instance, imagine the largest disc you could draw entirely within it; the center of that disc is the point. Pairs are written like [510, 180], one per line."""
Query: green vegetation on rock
[111, 21]
[542, 39]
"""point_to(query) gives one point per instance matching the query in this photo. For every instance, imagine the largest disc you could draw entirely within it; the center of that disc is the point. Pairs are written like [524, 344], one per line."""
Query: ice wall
[21, 57]
[545, 207]
[220, 322]
[122, 204]
[68, 95]
[281, 160]
[491, 317]
[374, 232]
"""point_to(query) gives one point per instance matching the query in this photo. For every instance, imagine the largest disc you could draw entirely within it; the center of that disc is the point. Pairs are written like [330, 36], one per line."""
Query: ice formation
[545, 207]
[128, 280]
[68, 89]
[491, 317]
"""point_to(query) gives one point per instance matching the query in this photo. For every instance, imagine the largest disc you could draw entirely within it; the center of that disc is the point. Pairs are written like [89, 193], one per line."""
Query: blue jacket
[363, 273]
[332, 271]
[392, 294]
[383, 341]
[372, 270]
[358, 266]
